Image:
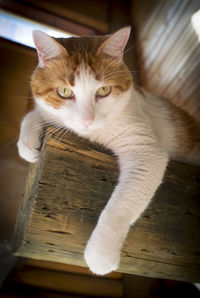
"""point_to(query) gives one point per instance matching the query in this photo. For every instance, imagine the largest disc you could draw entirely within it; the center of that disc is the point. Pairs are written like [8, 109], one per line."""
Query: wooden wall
[169, 50]
[17, 64]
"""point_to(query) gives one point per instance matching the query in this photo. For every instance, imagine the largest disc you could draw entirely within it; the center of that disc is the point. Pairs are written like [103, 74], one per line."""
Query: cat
[82, 84]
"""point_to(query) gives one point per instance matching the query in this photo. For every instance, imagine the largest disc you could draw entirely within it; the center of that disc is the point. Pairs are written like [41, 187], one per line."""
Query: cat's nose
[87, 122]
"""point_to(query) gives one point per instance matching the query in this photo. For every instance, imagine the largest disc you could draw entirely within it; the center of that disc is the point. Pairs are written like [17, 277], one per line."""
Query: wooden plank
[10, 293]
[47, 17]
[67, 268]
[77, 284]
[88, 12]
[68, 188]
[71, 16]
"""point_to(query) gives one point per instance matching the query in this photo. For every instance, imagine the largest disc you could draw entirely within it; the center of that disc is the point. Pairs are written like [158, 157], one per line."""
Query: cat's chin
[85, 132]
[80, 131]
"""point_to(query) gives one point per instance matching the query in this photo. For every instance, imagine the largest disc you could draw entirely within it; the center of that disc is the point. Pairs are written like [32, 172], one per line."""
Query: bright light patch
[20, 29]
[196, 22]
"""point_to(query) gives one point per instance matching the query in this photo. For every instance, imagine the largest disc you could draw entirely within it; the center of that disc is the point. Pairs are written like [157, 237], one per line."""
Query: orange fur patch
[63, 70]
[187, 133]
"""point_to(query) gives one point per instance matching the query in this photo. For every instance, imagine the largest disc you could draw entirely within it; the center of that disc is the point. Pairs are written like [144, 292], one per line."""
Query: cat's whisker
[66, 130]
[121, 133]
[62, 130]
[48, 135]
[105, 69]
[112, 74]
[43, 124]
[130, 48]
[109, 64]
[122, 71]
[115, 72]
[113, 61]
[56, 127]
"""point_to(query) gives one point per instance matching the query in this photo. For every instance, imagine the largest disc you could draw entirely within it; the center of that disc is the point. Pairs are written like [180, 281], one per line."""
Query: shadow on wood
[66, 190]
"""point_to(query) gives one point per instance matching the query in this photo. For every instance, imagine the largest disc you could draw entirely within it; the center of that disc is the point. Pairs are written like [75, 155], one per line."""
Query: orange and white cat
[82, 84]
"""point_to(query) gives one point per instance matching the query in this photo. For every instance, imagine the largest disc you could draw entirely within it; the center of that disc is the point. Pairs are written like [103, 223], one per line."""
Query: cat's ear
[47, 47]
[115, 44]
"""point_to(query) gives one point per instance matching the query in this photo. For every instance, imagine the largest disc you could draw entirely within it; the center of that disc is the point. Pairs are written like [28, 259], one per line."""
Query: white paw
[29, 152]
[101, 255]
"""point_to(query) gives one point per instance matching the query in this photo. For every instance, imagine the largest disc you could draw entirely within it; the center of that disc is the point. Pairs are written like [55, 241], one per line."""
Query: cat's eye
[103, 91]
[65, 92]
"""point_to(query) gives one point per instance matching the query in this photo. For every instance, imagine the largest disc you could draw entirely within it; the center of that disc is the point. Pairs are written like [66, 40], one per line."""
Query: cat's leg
[29, 138]
[141, 173]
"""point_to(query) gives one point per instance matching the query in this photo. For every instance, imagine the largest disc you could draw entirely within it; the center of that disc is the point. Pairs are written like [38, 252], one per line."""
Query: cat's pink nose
[87, 122]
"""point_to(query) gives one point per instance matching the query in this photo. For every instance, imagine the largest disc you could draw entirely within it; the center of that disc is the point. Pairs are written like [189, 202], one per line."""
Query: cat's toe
[29, 154]
[101, 262]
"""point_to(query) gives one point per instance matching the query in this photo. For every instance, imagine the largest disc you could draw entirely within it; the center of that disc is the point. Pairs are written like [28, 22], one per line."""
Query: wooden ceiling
[169, 50]
[78, 17]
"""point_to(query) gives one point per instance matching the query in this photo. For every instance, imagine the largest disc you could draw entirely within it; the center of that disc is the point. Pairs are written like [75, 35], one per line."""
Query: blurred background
[164, 55]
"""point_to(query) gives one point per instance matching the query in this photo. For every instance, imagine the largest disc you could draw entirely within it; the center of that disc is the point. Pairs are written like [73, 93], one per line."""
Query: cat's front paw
[29, 152]
[101, 255]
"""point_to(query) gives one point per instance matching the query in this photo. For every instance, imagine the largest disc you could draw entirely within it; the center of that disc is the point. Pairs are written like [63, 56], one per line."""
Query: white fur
[143, 159]
[138, 130]
[29, 139]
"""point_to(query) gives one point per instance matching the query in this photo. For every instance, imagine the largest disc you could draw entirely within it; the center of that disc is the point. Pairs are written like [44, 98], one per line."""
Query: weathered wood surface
[68, 188]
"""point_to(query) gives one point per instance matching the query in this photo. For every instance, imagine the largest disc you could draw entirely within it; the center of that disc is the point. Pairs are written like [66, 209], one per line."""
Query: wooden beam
[68, 17]
[64, 282]
[67, 189]
[67, 268]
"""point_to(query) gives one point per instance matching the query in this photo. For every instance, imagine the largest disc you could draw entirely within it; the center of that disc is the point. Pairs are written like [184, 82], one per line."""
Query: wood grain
[54, 266]
[67, 189]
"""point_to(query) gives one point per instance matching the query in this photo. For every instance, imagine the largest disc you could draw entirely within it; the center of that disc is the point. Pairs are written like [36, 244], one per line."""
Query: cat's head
[81, 82]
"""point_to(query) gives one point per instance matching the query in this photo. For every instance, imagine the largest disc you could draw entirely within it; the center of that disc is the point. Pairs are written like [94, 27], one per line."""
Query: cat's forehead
[79, 65]
[85, 79]
[76, 69]
[82, 71]
[82, 45]
[83, 56]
